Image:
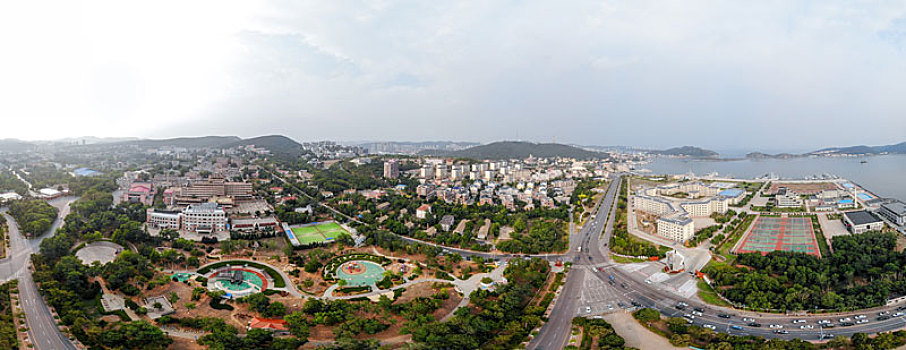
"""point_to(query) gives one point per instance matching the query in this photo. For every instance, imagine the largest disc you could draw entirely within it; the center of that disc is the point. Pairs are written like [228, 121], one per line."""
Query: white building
[204, 218]
[894, 211]
[706, 207]
[652, 205]
[164, 219]
[862, 221]
[677, 227]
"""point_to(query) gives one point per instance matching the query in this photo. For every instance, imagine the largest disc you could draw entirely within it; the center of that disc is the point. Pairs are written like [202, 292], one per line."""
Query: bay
[883, 175]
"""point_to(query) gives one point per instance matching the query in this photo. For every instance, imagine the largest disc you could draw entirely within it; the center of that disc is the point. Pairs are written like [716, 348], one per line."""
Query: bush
[217, 304]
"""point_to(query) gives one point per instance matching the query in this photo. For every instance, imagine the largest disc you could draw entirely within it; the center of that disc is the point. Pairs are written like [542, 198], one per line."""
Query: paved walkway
[635, 334]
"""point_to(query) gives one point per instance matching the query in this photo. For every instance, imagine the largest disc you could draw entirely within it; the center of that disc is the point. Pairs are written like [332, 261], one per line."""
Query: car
[827, 336]
[798, 321]
[846, 319]
[696, 313]
[588, 309]
[748, 319]
[698, 309]
[898, 314]
[600, 269]
[688, 321]
[623, 285]
[612, 282]
[883, 318]
[828, 325]
[824, 322]
[648, 281]
[754, 324]
[708, 326]
[884, 313]
[609, 306]
[688, 316]
[859, 317]
[862, 321]
[776, 326]
[636, 303]
[901, 308]
[846, 324]
[621, 305]
[806, 326]
[738, 328]
[780, 331]
[723, 315]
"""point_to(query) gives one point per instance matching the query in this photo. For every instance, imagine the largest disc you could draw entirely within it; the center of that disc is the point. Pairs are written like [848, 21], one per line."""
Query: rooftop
[861, 217]
[896, 206]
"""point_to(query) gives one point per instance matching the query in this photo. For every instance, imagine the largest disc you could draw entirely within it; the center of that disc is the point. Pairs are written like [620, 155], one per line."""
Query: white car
[748, 319]
[862, 321]
[806, 326]
[688, 316]
[824, 322]
[798, 321]
[696, 313]
[709, 326]
[884, 313]
[776, 326]
[860, 317]
[898, 314]
[588, 309]
[846, 319]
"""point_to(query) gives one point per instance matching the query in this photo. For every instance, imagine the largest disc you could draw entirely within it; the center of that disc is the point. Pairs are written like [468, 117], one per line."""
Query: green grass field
[319, 233]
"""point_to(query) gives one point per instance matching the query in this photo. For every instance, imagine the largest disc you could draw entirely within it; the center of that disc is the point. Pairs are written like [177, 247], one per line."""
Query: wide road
[634, 289]
[582, 251]
[42, 328]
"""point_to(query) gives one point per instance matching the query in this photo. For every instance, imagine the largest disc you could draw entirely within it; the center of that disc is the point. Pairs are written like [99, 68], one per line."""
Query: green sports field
[319, 233]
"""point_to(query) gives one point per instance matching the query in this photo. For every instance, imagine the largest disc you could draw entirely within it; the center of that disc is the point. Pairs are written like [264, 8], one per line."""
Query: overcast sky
[771, 75]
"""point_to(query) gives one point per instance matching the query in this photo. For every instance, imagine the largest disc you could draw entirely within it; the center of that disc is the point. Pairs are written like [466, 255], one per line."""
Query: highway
[42, 328]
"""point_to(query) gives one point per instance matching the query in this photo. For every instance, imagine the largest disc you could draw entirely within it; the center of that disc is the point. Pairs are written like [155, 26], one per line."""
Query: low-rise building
[895, 211]
[862, 221]
[446, 222]
[423, 211]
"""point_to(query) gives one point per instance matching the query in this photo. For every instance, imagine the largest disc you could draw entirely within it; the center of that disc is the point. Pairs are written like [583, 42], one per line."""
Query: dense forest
[33, 216]
[9, 182]
[864, 271]
[494, 319]
[64, 281]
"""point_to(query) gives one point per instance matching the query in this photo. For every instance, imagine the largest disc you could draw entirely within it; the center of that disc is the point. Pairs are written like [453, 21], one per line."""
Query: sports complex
[770, 233]
[319, 232]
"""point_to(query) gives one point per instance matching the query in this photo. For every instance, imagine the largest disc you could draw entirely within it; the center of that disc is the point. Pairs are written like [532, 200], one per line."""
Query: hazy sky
[721, 74]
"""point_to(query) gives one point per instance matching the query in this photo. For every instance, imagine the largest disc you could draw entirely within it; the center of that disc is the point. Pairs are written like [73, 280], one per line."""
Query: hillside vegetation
[521, 150]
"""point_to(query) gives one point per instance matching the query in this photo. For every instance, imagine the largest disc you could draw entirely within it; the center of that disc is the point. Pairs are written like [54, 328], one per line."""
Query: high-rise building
[391, 169]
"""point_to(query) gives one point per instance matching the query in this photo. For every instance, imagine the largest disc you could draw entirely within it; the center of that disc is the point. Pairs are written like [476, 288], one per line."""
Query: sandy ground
[636, 335]
[832, 228]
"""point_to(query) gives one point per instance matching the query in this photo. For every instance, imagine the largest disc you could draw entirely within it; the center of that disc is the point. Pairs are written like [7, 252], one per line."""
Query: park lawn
[625, 260]
[709, 295]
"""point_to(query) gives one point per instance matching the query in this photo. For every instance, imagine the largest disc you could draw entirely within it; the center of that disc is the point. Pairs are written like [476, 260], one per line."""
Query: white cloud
[580, 71]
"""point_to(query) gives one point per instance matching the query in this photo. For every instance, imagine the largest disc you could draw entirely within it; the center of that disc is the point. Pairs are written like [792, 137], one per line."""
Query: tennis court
[319, 232]
[770, 233]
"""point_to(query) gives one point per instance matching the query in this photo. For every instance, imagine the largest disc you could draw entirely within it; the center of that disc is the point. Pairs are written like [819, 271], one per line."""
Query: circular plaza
[359, 273]
[238, 281]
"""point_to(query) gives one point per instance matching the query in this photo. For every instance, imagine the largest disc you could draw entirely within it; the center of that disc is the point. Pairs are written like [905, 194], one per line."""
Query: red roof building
[273, 324]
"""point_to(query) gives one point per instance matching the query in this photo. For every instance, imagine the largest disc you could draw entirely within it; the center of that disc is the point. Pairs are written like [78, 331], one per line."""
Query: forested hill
[899, 148]
[688, 151]
[520, 150]
[280, 146]
[184, 142]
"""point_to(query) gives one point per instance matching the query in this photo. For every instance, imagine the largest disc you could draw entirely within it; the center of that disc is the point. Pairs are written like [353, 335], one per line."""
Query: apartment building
[677, 227]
